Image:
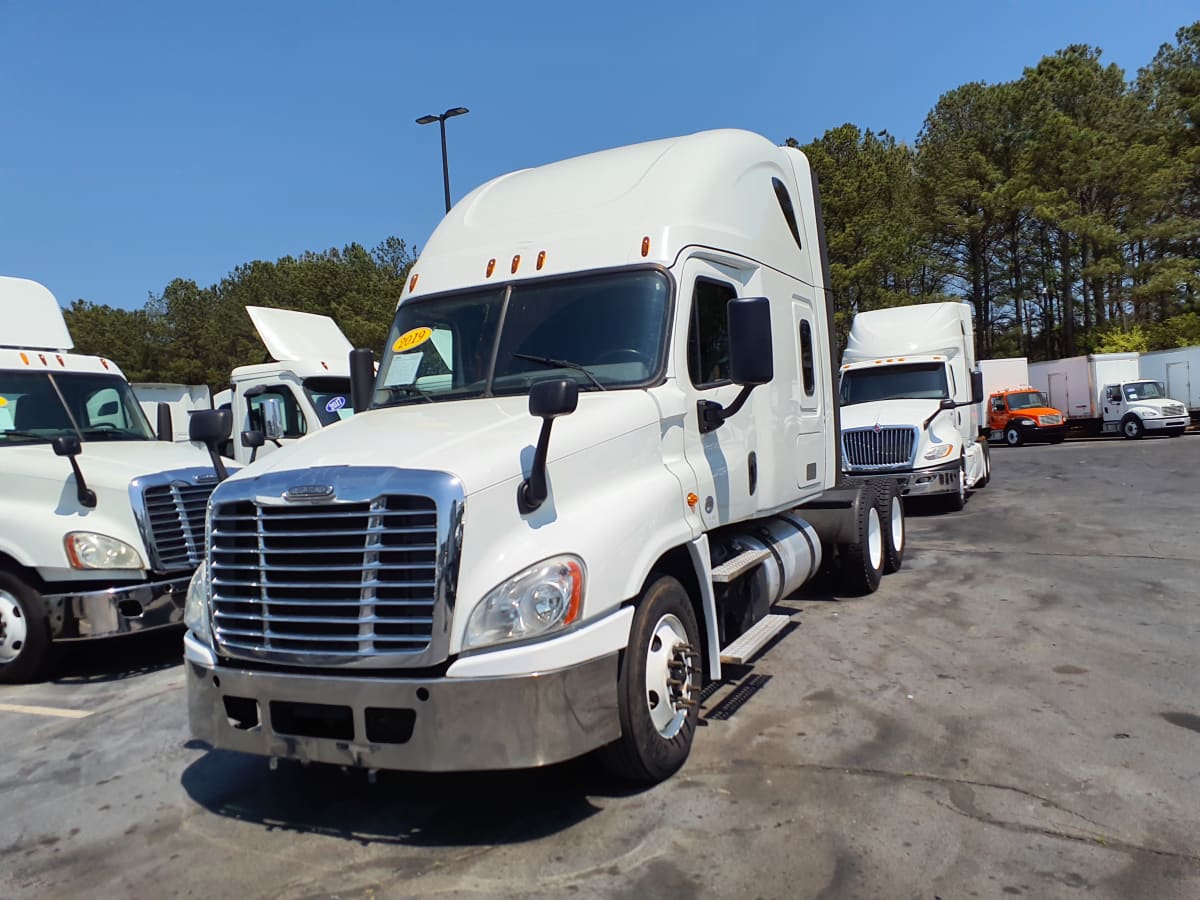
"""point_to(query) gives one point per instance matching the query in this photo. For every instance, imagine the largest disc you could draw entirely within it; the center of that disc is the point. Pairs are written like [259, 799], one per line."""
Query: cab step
[738, 565]
[745, 647]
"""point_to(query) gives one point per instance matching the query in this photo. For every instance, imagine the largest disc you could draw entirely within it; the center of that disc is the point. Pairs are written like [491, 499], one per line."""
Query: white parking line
[45, 711]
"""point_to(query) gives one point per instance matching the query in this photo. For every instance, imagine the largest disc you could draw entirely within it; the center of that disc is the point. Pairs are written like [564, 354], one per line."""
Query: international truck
[1104, 393]
[304, 388]
[601, 444]
[101, 525]
[1178, 370]
[910, 395]
[1014, 412]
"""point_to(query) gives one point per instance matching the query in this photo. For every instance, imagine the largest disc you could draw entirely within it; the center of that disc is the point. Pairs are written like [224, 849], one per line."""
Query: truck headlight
[87, 550]
[939, 451]
[544, 597]
[1148, 413]
[195, 608]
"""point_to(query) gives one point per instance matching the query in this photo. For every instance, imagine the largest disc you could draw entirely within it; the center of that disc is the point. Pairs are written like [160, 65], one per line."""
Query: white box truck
[910, 394]
[601, 444]
[1178, 370]
[1104, 393]
[101, 525]
[1012, 411]
[304, 388]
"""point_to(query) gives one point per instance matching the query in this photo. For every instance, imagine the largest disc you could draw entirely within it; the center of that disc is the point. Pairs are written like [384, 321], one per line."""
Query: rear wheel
[890, 507]
[26, 650]
[860, 563]
[658, 689]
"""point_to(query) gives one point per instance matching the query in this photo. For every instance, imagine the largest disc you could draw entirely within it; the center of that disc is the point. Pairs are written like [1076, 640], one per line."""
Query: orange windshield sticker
[411, 339]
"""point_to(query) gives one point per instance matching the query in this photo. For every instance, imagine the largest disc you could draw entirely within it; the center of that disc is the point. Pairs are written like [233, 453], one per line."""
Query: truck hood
[1036, 411]
[888, 412]
[482, 442]
[105, 464]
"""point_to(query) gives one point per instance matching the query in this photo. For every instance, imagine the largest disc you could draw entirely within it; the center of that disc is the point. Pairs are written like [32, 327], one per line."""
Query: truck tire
[957, 500]
[658, 718]
[891, 517]
[860, 564]
[1013, 436]
[26, 649]
[1132, 427]
[1175, 432]
[987, 467]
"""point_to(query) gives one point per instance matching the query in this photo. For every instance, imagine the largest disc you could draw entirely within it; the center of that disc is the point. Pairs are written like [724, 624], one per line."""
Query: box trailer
[1179, 372]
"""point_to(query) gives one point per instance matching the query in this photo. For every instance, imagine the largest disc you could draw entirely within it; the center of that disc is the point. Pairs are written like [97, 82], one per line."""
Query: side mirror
[271, 410]
[547, 400]
[751, 358]
[166, 428]
[976, 386]
[362, 378]
[68, 445]
[212, 427]
[253, 439]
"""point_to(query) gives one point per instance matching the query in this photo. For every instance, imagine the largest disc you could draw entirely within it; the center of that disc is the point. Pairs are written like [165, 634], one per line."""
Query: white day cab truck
[1105, 393]
[910, 394]
[601, 444]
[303, 389]
[101, 525]
[1178, 371]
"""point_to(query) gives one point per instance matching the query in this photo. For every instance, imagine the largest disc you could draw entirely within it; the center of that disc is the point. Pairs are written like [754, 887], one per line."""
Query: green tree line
[1064, 206]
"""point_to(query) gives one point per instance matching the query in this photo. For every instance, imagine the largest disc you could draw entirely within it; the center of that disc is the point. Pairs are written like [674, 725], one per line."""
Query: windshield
[917, 381]
[102, 406]
[330, 398]
[1145, 390]
[1027, 400]
[605, 331]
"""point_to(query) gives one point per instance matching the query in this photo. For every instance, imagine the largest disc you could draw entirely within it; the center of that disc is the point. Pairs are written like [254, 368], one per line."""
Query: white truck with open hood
[910, 394]
[101, 525]
[305, 388]
[601, 444]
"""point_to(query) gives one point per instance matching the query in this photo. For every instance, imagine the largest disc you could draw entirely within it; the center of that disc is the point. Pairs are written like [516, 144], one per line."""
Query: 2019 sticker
[410, 339]
[334, 404]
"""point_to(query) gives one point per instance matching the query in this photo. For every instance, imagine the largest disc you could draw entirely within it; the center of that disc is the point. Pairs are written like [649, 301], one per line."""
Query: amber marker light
[42, 357]
[573, 604]
[541, 260]
[60, 360]
[24, 359]
[491, 267]
[692, 500]
[516, 264]
[646, 245]
[412, 284]
[104, 362]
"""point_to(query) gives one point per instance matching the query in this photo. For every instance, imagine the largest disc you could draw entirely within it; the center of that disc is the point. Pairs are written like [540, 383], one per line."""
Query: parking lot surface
[1015, 713]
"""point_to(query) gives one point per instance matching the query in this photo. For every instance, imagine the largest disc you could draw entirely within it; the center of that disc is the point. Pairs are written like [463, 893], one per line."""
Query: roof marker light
[412, 284]
[324, 365]
[60, 359]
[42, 357]
[104, 362]
[541, 260]
[516, 263]
[491, 267]
[646, 245]
[24, 359]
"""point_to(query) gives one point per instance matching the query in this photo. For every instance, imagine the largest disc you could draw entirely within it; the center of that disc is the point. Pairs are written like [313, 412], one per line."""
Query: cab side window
[708, 333]
[1114, 394]
[294, 425]
[998, 404]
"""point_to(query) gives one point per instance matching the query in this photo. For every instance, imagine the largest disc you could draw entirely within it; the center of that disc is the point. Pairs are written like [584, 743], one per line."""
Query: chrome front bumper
[1166, 423]
[413, 724]
[942, 479]
[119, 610]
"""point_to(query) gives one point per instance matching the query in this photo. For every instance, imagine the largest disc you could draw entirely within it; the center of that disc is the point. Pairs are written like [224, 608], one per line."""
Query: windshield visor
[919, 381]
[605, 331]
[101, 406]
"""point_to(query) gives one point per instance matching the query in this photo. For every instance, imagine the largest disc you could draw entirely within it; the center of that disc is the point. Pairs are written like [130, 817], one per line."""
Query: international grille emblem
[876, 427]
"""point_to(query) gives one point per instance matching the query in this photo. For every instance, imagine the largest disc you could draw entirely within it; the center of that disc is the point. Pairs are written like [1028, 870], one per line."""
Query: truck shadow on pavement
[119, 658]
[418, 809]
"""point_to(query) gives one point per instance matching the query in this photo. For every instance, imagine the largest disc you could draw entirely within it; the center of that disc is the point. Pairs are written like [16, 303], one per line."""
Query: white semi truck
[304, 388]
[101, 525]
[910, 394]
[1178, 371]
[1105, 393]
[601, 444]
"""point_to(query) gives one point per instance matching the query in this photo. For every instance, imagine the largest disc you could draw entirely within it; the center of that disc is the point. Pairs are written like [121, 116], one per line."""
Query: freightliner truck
[601, 444]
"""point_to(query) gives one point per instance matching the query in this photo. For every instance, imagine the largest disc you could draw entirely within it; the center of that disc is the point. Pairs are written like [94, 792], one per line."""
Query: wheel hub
[671, 667]
[12, 628]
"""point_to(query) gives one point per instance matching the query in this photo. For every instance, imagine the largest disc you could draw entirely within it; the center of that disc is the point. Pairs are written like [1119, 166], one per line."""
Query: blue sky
[140, 142]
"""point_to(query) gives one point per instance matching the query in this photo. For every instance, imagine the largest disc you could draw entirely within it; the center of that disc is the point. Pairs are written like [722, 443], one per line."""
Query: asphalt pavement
[1015, 713]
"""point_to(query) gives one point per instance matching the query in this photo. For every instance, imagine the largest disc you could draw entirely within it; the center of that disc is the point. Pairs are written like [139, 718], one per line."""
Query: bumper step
[738, 565]
[745, 647]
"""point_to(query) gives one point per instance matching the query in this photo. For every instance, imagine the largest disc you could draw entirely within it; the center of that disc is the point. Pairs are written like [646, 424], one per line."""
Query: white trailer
[601, 444]
[1003, 375]
[1179, 372]
[1104, 393]
[181, 399]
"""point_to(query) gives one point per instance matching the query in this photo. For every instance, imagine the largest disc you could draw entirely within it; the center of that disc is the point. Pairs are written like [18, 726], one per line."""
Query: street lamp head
[457, 111]
[427, 120]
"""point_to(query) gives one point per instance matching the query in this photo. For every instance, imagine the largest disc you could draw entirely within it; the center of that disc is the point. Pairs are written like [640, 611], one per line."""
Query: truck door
[809, 457]
[721, 458]
[1113, 403]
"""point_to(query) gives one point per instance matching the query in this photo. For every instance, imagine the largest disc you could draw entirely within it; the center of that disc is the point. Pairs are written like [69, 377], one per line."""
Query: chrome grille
[340, 580]
[890, 447]
[1174, 409]
[175, 518]
[1050, 419]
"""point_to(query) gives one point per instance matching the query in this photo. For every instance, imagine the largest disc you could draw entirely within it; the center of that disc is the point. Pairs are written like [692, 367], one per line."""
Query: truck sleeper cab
[1022, 415]
[600, 445]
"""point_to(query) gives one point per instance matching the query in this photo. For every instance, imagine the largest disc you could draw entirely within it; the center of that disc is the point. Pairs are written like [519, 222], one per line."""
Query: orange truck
[1014, 412]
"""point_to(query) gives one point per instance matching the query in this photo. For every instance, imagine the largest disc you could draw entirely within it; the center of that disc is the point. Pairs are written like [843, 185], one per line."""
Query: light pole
[441, 120]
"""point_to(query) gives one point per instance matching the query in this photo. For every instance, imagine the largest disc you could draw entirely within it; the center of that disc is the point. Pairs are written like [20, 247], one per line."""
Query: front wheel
[1013, 436]
[26, 650]
[987, 467]
[1132, 427]
[658, 690]
[1175, 432]
[957, 500]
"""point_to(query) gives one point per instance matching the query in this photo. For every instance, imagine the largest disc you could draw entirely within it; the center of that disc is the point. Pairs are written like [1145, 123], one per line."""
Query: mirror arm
[87, 497]
[712, 414]
[218, 465]
[533, 491]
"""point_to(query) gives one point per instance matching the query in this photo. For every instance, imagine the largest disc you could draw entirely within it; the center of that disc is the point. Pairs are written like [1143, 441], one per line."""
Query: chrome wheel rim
[669, 676]
[13, 630]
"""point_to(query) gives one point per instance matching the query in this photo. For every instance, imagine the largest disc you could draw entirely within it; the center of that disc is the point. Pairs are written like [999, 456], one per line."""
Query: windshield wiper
[26, 434]
[411, 389]
[562, 364]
